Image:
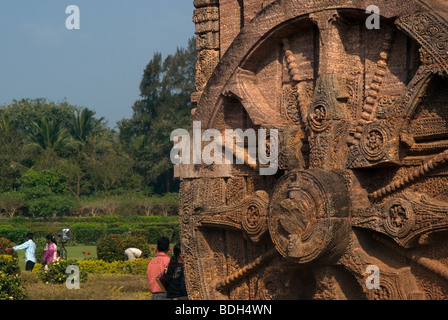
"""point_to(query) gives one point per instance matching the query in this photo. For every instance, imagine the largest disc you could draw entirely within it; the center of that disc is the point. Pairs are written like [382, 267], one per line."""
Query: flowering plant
[56, 272]
[5, 243]
[112, 247]
[11, 287]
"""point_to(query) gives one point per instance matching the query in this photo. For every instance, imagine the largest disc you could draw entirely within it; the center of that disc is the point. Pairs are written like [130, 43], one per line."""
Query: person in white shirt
[133, 253]
[30, 251]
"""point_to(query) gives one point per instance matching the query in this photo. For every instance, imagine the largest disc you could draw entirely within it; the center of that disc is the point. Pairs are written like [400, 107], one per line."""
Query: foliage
[44, 192]
[12, 201]
[11, 288]
[104, 287]
[128, 205]
[164, 105]
[26, 111]
[52, 154]
[50, 136]
[84, 125]
[56, 272]
[9, 265]
[6, 243]
[89, 230]
[54, 179]
[112, 247]
[52, 205]
[13, 234]
[134, 267]
[87, 233]
[12, 153]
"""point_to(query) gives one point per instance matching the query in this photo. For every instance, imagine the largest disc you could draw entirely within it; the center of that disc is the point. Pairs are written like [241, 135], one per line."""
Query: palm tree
[85, 125]
[48, 135]
[9, 134]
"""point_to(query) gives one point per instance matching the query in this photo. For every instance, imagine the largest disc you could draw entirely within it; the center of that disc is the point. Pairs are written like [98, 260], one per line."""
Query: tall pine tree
[164, 105]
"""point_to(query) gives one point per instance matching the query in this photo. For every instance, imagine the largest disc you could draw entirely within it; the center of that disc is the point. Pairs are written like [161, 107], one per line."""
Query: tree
[164, 105]
[33, 133]
[45, 192]
[107, 165]
[26, 111]
[11, 202]
[50, 136]
[84, 125]
[12, 154]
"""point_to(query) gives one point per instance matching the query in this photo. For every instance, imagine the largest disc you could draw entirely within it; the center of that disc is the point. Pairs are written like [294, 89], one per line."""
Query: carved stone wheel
[362, 117]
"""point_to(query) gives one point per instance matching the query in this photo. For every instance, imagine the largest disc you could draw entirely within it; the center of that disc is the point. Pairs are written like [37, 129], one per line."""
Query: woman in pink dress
[50, 251]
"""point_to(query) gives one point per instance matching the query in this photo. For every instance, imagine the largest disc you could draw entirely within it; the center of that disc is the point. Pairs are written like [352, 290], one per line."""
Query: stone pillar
[206, 19]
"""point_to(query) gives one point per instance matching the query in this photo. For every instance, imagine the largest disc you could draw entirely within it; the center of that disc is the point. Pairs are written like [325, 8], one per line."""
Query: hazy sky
[98, 66]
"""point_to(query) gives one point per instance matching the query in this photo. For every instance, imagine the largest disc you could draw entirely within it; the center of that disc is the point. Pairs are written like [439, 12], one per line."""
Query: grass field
[73, 252]
[98, 287]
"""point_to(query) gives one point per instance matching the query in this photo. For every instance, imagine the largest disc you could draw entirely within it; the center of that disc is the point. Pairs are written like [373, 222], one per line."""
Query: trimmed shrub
[87, 233]
[11, 288]
[112, 247]
[14, 234]
[89, 230]
[6, 243]
[9, 265]
[56, 272]
[134, 267]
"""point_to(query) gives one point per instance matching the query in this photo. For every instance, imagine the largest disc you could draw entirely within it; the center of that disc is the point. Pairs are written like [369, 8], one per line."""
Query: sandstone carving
[362, 179]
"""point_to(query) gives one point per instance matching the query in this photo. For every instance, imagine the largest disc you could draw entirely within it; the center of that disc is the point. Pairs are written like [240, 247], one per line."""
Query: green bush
[11, 288]
[52, 205]
[6, 243]
[44, 193]
[14, 234]
[12, 202]
[89, 230]
[9, 265]
[87, 233]
[112, 247]
[134, 267]
[54, 179]
[128, 208]
[56, 272]
[88, 236]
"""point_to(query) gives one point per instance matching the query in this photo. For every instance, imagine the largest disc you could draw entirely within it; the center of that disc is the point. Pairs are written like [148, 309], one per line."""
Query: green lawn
[73, 252]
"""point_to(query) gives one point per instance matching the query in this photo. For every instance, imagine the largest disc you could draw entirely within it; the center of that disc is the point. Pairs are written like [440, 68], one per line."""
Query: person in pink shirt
[50, 251]
[156, 266]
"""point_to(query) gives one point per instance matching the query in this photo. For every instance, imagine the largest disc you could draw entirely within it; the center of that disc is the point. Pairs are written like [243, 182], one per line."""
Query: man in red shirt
[156, 266]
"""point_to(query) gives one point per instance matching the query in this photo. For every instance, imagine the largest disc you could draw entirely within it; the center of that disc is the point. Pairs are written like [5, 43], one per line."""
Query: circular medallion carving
[374, 141]
[398, 218]
[253, 220]
[306, 216]
[319, 117]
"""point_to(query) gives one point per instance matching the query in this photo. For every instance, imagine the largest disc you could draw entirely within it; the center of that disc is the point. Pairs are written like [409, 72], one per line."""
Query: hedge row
[134, 267]
[90, 232]
[47, 205]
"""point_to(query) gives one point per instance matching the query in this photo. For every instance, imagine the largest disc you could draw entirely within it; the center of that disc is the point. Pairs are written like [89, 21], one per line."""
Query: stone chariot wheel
[361, 116]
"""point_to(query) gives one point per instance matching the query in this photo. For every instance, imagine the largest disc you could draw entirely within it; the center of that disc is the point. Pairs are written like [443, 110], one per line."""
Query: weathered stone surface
[363, 139]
